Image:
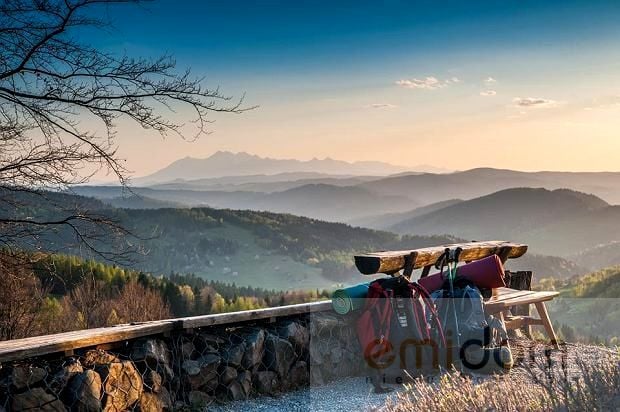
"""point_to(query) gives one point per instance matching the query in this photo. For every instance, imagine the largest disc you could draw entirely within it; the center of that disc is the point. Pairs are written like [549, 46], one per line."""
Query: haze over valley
[568, 219]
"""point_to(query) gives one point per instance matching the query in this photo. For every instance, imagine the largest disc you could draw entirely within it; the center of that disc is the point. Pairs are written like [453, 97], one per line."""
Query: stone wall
[188, 369]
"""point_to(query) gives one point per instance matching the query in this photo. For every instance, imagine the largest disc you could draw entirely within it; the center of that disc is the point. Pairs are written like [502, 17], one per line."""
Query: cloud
[489, 81]
[534, 102]
[381, 106]
[428, 83]
[488, 93]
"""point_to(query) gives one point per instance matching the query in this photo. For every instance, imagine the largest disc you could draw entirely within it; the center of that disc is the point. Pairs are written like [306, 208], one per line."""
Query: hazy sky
[529, 85]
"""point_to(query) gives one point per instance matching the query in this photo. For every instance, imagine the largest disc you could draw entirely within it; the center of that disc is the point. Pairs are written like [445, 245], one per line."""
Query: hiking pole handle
[455, 254]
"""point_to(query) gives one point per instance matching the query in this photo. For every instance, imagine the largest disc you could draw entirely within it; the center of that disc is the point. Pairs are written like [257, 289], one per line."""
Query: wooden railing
[67, 342]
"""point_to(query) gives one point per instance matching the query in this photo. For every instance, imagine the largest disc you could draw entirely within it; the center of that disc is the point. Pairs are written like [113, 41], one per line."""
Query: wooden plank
[392, 261]
[249, 315]
[502, 296]
[62, 342]
[533, 297]
[517, 322]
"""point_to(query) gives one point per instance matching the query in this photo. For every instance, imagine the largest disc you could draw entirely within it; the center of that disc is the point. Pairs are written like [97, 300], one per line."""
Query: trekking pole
[452, 259]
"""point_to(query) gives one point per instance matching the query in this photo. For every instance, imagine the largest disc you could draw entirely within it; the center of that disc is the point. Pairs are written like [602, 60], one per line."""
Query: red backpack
[399, 330]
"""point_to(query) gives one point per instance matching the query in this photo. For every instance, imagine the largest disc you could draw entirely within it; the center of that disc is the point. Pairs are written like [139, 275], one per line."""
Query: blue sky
[393, 80]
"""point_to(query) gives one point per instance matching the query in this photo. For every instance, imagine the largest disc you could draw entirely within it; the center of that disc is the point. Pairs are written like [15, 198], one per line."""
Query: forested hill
[588, 308]
[270, 250]
[259, 248]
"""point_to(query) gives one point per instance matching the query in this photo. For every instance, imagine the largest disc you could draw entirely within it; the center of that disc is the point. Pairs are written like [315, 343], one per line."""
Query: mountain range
[581, 228]
[557, 222]
[222, 164]
[250, 248]
[566, 214]
[473, 183]
[320, 201]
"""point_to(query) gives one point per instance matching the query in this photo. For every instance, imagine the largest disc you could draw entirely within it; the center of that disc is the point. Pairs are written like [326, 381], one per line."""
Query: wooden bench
[502, 300]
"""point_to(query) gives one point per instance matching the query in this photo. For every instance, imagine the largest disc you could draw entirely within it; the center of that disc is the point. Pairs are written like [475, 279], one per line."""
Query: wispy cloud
[488, 93]
[381, 106]
[428, 83]
[489, 81]
[534, 102]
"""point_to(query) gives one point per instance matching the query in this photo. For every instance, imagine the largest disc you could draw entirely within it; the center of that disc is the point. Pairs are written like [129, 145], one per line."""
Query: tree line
[50, 293]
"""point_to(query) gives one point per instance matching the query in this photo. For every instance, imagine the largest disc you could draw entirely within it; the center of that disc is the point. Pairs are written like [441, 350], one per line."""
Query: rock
[98, 357]
[233, 354]
[188, 350]
[279, 355]
[152, 381]
[299, 374]
[201, 374]
[234, 392]
[316, 354]
[166, 372]
[198, 399]
[208, 343]
[84, 392]
[61, 378]
[266, 382]
[122, 385]
[245, 381]
[254, 349]
[37, 399]
[212, 340]
[336, 354]
[25, 376]
[153, 352]
[323, 323]
[316, 376]
[155, 402]
[227, 374]
[296, 334]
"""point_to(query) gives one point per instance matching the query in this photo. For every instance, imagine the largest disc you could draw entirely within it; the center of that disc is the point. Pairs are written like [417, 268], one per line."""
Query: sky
[528, 85]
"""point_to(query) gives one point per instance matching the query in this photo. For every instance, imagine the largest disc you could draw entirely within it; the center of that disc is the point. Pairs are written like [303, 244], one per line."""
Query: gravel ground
[346, 395]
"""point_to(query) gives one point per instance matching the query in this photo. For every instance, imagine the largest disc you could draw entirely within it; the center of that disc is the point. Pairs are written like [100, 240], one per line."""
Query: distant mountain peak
[224, 163]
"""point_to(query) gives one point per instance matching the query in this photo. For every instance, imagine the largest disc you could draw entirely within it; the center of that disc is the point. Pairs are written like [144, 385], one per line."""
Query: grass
[577, 383]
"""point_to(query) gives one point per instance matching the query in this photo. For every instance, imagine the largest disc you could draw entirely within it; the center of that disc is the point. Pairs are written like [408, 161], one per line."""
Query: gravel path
[346, 395]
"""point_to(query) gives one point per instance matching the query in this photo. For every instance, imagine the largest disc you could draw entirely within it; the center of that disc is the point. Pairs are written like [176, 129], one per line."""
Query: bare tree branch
[61, 100]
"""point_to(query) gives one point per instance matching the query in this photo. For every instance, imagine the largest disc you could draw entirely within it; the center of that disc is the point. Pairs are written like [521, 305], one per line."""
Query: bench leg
[504, 342]
[544, 317]
[526, 311]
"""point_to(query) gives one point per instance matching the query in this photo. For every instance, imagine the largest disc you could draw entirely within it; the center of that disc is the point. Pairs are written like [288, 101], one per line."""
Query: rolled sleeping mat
[349, 299]
[487, 273]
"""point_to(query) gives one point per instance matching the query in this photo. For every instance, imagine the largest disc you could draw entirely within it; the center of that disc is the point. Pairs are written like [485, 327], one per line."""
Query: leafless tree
[136, 303]
[21, 298]
[60, 102]
[89, 303]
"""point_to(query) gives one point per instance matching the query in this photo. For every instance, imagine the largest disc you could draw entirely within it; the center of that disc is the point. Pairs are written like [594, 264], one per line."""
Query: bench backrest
[390, 262]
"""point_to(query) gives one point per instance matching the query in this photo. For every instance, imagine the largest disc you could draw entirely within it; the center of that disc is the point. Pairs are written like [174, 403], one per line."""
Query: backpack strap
[380, 307]
[428, 302]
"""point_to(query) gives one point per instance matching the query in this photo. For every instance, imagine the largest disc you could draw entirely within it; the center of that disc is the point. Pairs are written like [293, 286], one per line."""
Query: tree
[137, 303]
[88, 302]
[60, 103]
[21, 298]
